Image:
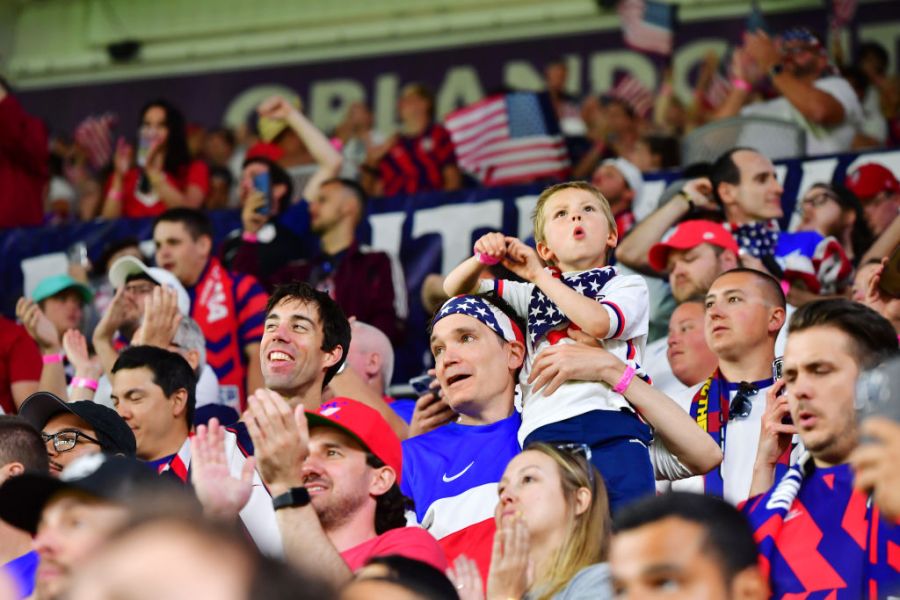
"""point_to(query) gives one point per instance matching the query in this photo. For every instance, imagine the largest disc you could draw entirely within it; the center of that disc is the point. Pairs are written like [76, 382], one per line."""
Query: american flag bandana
[759, 238]
[818, 261]
[479, 308]
[543, 315]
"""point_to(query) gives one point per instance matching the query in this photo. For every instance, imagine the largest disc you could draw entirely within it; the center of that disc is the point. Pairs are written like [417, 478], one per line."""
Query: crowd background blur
[629, 110]
[233, 235]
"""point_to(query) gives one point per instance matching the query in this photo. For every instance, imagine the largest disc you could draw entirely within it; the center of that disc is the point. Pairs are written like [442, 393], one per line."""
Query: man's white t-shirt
[741, 444]
[820, 139]
[656, 363]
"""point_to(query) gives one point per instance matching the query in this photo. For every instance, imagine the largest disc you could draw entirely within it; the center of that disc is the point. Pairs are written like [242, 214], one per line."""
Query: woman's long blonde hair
[587, 538]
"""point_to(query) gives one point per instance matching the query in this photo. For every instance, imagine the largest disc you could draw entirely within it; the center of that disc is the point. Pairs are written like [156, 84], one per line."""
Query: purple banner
[459, 75]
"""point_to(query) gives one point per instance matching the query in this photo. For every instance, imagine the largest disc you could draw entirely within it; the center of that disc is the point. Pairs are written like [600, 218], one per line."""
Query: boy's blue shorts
[619, 443]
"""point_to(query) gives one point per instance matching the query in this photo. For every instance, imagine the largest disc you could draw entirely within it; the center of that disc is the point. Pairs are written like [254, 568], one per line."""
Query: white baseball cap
[631, 173]
[126, 266]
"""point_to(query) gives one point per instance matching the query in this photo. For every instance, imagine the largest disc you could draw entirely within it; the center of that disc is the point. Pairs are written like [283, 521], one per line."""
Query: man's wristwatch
[776, 70]
[294, 497]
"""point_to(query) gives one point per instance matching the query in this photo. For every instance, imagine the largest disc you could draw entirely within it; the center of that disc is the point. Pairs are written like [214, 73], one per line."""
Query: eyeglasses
[65, 440]
[140, 289]
[579, 450]
[742, 405]
[818, 200]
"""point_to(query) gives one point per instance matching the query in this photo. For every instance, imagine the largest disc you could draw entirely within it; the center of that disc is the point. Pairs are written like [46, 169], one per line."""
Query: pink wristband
[50, 359]
[249, 237]
[84, 382]
[485, 259]
[625, 381]
[741, 84]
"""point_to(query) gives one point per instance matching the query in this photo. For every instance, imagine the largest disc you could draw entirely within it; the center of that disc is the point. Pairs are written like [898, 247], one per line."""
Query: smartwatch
[294, 497]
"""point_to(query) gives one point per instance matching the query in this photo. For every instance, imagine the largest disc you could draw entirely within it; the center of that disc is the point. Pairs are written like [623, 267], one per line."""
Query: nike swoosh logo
[458, 475]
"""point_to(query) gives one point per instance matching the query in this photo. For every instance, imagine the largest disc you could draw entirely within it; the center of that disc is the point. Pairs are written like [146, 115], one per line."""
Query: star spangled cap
[801, 34]
[480, 308]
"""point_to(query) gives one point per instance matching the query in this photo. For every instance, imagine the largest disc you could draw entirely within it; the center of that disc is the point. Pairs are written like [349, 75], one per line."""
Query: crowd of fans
[217, 422]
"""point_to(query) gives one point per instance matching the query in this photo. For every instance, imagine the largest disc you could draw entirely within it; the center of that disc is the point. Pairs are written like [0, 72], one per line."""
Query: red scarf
[213, 307]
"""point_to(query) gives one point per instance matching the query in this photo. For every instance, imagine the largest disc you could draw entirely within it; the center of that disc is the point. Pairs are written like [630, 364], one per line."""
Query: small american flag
[718, 89]
[94, 135]
[635, 94]
[509, 138]
[647, 25]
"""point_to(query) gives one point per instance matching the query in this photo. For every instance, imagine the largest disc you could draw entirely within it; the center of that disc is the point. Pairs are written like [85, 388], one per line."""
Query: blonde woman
[553, 530]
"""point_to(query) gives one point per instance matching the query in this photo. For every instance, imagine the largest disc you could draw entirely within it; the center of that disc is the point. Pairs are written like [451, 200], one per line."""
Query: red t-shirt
[195, 173]
[24, 173]
[411, 542]
[20, 360]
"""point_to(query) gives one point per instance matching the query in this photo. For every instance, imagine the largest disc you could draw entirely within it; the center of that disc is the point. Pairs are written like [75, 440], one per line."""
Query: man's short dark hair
[335, 326]
[351, 186]
[277, 176]
[729, 538]
[873, 336]
[877, 50]
[171, 372]
[419, 578]
[725, 170]
[195, 221]
[391, 506]
[22, 443]
[112, 248]
[772, 287]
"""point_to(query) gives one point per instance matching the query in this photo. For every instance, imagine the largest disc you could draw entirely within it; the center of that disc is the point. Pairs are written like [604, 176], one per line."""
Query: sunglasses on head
[583, 450]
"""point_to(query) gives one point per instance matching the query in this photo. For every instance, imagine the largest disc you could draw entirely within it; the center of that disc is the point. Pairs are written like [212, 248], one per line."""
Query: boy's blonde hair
[539, 218]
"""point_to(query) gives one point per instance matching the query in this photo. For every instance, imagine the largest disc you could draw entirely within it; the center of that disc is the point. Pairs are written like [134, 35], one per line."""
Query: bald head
[371, 355]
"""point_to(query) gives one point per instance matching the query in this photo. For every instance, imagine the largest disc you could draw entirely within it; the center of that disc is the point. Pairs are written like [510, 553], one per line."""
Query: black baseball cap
[114, 434]
[117, 479]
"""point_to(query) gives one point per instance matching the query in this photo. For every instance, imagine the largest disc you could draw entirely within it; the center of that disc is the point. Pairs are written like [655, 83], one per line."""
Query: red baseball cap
[264, 150]
[687, 235]
[364, 424]
[870, 179]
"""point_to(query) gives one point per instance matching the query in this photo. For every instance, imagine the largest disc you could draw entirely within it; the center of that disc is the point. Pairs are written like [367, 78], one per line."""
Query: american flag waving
[648, 25]
[509, 138]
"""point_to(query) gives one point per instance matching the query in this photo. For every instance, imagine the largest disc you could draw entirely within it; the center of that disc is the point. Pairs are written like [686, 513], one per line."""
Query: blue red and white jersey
[230, 309]
[819, 537]
[451, 474]
[416, 164]
[625, 299]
